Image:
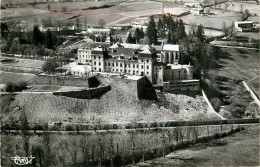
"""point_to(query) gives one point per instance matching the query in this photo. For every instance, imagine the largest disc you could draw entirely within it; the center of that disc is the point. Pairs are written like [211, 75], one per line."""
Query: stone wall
[85, 94]
[128, 86]
[44, 79]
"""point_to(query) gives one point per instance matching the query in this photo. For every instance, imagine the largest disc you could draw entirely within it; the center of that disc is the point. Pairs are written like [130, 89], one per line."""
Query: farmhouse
[141, 60]
[197, 11]
[99, 31]
[192, 5]
[244, 25]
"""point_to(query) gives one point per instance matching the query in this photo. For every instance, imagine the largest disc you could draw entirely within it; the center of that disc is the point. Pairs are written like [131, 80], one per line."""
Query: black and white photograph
[129, 83]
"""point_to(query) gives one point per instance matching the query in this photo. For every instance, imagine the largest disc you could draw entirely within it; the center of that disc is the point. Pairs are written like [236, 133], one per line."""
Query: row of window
[126, 65]
[126, 71]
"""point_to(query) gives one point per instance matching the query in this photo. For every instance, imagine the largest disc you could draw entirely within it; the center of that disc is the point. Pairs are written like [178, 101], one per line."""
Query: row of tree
[100, 149]
[166, 28]
[138, 35]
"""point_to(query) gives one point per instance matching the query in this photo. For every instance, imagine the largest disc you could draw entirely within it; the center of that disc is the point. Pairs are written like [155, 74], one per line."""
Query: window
[116, 70]
[147, 61]
[156, 74]
[137, 66]
[128, 70]
[108, 63]
[136, 72]
[125, 71]
[147, 73]
[133, 66]
[142, 66]
[179, 71]
[121, 64]
[99, 57]
[133, 72]
[94, 63]
[125, 65]
[142, 60]
[99, 63]
[94, 57]
[147, 67]
[116, 64]
[105, 64]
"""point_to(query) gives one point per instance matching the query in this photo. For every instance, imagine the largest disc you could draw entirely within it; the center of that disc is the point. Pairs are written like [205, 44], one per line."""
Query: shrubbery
[16, 87]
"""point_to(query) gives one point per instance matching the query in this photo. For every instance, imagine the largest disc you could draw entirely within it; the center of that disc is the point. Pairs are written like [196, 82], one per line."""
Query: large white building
[161, 68]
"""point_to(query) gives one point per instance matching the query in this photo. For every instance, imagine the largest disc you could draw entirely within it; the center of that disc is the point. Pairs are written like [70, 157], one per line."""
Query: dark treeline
[18, 39]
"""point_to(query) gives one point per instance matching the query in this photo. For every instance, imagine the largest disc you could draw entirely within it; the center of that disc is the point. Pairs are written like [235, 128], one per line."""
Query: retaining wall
[252, 93]
[85, 94]
[44, 79]
[128, 86]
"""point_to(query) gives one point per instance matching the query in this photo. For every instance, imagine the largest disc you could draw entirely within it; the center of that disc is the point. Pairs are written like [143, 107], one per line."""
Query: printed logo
[22, 160]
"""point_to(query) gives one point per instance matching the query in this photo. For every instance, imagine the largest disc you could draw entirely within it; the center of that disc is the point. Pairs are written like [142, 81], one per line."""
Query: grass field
[6, 77]
[28, 15]
[214, 21]
[241, 149]
[236, 6]
[237, 65]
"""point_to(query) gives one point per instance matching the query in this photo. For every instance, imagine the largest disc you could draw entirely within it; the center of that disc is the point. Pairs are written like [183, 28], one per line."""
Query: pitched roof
[124, 51]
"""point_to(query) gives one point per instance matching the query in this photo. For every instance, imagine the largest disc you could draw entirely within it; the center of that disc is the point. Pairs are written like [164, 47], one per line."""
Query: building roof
[124, 52]
[134, 46]
[244, 22]
[99, 29]
[171, 47]
[116, 45]
[97, 50]
[178, 66]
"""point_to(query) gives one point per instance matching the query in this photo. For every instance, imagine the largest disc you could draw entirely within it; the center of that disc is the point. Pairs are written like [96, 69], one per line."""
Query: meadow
[106, 148]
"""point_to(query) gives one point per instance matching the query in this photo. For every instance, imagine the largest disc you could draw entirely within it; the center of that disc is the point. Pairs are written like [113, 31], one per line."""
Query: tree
[200, 33]
[142, 33]
[226, 6]
[160, 28]
[48, 6]
[50, 65]
[181, 30]
[49, 40]
[216, 103]
[130, 38]
[225, 29]
[245, 15]
[101, 22]
[151, 31]
[25, 131]
[4, 29]
[36, 36]
[169, 38]
[85, 23]
[137, 35]
[252, 110]
[77, 23]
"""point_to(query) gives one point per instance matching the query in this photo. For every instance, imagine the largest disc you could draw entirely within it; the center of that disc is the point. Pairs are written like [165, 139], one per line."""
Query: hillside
[114, 106]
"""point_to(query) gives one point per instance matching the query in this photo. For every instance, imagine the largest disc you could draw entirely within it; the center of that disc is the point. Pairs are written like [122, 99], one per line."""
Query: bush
[12, 87]
[69, 128]
[50, 65]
